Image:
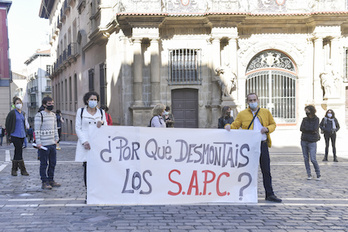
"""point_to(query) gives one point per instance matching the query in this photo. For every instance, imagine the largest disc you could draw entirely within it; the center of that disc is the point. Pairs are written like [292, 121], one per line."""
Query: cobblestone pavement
[307, 205]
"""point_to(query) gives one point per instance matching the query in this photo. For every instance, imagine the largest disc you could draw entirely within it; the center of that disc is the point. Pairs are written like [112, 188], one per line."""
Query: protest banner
[141, 165]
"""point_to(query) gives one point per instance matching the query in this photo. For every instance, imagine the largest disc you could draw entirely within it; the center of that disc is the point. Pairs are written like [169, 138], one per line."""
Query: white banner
[144, 165]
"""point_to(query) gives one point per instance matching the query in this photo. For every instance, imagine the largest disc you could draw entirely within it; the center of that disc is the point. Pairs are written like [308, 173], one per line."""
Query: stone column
[138, 73]
[216, 63]
[318, 68]
[335, 58]
[155, 72]
[234, 63]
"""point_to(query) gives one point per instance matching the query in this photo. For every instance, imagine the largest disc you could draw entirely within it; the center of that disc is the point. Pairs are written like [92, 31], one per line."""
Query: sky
[27, 32]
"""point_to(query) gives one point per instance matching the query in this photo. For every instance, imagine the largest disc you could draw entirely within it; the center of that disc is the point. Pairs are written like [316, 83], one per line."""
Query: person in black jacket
[226, 118]
[329, 126]
[310, 136]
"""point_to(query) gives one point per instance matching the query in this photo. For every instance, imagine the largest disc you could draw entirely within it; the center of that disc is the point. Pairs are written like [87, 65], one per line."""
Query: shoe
[335, 160]
[309, 177]
[54, 184]
[46, 185]
[318, 178]
[273, 198]
[58, 148]
[325, 159]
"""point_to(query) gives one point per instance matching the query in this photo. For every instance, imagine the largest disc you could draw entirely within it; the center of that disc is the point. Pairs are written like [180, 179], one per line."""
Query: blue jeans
[266, 169]
[47, 158]
[309, 150]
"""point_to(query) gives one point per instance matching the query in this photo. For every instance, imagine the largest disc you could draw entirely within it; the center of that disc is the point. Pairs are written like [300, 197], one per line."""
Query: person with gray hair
[157, 116]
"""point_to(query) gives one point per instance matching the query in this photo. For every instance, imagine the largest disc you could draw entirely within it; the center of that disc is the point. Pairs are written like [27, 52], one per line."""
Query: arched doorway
[272, 75]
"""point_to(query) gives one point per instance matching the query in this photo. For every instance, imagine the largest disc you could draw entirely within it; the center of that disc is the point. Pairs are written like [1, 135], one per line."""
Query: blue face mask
[253, 105]
[92, 104]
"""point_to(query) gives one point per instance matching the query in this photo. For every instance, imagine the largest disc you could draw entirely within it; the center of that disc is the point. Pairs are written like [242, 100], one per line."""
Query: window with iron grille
[184, 67]
[345, 63]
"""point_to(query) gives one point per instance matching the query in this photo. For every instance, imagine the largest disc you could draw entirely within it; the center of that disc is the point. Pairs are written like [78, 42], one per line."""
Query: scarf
[333, 123]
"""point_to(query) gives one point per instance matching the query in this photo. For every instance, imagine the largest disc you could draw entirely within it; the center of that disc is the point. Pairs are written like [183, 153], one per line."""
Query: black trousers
[327, 143]
[85, 173]
[266, 169]
[18, 144]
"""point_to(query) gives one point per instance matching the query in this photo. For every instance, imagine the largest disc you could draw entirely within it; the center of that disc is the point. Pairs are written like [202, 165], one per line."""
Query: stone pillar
[155, 72]
[138, 73]
[216, 64]
[318, 68]
[335, 58]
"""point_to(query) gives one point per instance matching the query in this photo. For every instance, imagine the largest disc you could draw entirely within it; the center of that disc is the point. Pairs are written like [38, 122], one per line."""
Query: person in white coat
[86, 118]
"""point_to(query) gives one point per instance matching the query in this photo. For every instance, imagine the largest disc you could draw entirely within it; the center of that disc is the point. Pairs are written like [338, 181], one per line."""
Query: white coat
[82, 126]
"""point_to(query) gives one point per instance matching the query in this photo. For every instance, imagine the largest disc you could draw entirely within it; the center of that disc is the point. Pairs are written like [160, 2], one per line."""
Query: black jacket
[326, 126]
[223, 121]
[310, 129]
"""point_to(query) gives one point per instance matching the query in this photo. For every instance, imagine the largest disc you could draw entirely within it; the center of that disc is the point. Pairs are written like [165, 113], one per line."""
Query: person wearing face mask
[158, 115]
[86, 118]
[169, 117]
[259, 119]
[226, 117]
[329, 126]
[46, 136]
[309, 138]
[16, 125]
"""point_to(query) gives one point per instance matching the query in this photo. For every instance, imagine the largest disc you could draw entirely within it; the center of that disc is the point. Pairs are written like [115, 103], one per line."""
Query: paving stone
[307, 205]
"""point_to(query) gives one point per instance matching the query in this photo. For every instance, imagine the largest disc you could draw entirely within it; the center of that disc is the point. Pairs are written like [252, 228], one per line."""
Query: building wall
[133, 39]
[4, 63]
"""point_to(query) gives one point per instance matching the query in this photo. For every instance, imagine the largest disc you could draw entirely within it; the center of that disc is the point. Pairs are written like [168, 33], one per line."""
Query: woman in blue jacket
[16, 126]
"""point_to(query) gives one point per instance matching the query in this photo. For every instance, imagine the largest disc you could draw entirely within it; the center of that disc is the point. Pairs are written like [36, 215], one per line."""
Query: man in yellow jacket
[264, 123]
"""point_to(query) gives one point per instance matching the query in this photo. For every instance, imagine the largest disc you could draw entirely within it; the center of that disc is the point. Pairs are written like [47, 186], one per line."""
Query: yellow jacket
[246, 116]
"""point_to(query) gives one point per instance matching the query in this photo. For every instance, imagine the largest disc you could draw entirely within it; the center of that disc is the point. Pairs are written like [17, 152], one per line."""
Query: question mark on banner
[245, 186]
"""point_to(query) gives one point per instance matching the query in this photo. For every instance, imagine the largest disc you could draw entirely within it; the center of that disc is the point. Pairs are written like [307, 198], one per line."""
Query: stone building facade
[5, 71]
[38, 83]
[197, 56]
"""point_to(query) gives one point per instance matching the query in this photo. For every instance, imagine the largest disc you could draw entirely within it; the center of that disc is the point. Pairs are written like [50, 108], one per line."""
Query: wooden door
[185, 108]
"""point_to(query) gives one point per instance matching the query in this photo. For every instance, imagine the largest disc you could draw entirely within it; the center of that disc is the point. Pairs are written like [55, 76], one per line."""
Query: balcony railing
[48, 89]
[67, 57]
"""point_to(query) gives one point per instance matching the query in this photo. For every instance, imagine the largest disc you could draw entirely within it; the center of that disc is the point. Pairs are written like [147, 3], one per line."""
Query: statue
[227, 80]
[330, 82]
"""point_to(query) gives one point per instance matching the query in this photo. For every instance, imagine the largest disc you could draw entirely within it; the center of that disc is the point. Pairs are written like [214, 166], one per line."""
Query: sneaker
[318, 178]
[46, 185]
[54, 184]
[309, 177]
[58, 148]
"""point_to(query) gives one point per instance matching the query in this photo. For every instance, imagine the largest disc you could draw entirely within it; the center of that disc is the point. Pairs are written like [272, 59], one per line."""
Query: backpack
[101, 112]
[150, 122]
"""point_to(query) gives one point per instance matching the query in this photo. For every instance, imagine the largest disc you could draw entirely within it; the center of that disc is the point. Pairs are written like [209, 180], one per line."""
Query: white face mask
[329, 115]
[253, 105]
[92, 104]
[19, 106]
